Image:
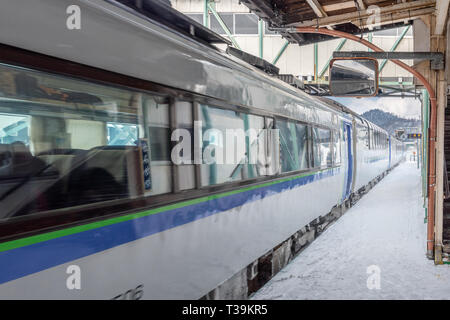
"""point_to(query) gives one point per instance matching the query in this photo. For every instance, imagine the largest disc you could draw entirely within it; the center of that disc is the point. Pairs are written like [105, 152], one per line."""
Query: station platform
[376, 250]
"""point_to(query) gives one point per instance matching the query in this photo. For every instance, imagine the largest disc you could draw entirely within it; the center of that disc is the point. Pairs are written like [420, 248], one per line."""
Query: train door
[349, 176]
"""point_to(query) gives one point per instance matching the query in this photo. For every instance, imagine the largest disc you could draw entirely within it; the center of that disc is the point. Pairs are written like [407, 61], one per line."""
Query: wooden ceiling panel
[341, 11]
[330, 7]
[336, 13]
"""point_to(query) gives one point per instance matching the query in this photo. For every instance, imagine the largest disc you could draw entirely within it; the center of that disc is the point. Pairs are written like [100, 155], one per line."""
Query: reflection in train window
[322, 147]
[224, 156]
[288, 146]
[255, 145]
[14, 128]
[315, 148]
[362, 136]
[156, 124]
[71, 142]
[337, 147]
[122, 134]
[302, 148]
[293, 146]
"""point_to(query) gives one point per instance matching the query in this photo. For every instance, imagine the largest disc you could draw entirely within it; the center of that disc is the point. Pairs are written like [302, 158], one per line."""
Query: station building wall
[295, 60]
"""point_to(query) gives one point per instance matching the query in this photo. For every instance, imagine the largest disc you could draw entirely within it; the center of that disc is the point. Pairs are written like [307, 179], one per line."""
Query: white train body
[198, 225]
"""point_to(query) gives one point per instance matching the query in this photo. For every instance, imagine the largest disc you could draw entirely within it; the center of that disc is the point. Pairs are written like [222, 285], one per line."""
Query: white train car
[94, 206]
[373, 152]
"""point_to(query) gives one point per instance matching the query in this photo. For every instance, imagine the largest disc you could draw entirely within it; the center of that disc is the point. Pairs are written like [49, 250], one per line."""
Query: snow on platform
[386, 229]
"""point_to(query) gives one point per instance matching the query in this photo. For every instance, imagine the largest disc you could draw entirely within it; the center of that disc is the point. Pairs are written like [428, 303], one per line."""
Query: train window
[363, 135]
[155, 121]
[322, 146]
[302, 145]
[291, 146]
[223, 150]
[316, 156]
[380, 140]
[256, 147]
[336, 148]
[376, 139]
[273, 147]
[371, 144]
[71, 142]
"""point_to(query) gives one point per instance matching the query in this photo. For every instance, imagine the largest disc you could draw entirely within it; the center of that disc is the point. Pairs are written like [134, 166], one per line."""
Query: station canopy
[352, 16]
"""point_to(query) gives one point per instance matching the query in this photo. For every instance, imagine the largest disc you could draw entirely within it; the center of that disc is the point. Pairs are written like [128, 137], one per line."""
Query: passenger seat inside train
[76, 176]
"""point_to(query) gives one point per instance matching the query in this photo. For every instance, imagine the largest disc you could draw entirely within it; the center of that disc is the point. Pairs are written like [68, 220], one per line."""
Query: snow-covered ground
[385, 230]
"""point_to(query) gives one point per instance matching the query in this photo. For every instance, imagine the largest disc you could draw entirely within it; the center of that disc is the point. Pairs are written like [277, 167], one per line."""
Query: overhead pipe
[433, 121]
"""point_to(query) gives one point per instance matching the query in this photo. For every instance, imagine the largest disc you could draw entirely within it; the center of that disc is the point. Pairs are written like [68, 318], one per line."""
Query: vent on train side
[292, 80]
[254, 61]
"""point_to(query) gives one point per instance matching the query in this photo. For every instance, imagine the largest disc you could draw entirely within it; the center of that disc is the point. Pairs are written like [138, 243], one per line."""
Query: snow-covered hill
[389, 121]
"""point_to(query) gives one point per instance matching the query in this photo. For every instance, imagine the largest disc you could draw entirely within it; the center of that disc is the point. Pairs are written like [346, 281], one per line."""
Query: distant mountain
[389, 121]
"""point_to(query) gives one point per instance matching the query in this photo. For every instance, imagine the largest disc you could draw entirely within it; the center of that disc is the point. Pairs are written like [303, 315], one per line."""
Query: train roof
[162, 12]
[345, 109]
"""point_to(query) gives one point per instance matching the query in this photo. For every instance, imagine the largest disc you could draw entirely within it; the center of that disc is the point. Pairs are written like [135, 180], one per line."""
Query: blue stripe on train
[19, 262]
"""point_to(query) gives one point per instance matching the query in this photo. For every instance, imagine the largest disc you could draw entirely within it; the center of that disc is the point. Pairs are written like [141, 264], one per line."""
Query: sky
[409, 108]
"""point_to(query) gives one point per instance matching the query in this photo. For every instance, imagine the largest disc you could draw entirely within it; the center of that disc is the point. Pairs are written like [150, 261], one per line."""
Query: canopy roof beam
[361, 4]
[441, 16]
[317, 8]
[437, 58]
[396, 9]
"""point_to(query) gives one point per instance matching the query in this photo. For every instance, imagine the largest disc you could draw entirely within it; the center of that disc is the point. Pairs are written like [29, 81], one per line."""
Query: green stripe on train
[94, 225]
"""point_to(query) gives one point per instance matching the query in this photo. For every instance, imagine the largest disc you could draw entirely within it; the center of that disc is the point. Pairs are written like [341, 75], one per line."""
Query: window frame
[308, 135]
[331, 165]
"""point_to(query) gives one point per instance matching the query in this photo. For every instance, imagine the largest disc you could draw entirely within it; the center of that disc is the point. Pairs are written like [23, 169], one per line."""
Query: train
[97, 200]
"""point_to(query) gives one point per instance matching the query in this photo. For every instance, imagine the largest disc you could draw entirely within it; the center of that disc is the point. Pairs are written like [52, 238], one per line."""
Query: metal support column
[261, 37]
[425, 125]
[327, 65]
[205, 13]
[280, 53]
[212, 8]
[394, 47]
[316, 61]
